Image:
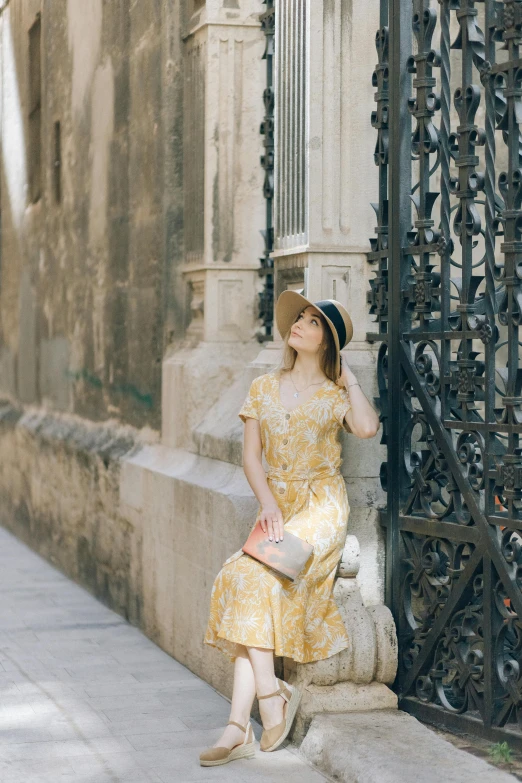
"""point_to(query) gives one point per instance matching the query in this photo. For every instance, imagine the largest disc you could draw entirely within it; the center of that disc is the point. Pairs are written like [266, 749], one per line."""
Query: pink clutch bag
[288, 557]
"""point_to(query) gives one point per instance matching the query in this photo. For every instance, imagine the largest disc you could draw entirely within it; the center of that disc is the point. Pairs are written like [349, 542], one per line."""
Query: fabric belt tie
[307, 481]
[304, 492]
[283, 475]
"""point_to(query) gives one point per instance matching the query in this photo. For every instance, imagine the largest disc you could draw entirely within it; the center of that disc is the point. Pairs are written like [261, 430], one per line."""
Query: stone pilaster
[224, 209]
[223, 179]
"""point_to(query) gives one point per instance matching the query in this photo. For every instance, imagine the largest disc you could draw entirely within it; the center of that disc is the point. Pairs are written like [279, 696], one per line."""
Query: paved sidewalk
[86, 698]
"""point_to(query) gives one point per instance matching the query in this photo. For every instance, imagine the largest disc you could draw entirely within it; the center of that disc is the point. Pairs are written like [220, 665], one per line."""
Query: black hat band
[331, 311]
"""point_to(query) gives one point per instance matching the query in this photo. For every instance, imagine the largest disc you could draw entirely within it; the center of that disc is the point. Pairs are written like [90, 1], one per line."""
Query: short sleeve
[250, 408]
[341, 408]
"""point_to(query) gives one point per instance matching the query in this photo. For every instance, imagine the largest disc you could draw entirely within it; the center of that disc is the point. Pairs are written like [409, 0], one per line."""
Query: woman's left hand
[362, 419]
[346, 377]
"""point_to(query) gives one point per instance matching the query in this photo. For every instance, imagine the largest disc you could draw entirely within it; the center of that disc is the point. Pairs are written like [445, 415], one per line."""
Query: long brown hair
[327, 352]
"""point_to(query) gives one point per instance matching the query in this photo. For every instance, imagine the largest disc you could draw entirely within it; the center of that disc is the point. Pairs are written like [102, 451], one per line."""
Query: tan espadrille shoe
[272, 738]
[214, 757]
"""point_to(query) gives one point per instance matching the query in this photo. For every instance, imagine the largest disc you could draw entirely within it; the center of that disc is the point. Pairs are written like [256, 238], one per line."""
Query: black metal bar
[266, 296]
[431, 527]
[488, 634]
[400, 46]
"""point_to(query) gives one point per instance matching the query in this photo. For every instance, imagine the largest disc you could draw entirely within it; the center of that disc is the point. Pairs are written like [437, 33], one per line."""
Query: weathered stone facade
[83, 300]
[128, 304]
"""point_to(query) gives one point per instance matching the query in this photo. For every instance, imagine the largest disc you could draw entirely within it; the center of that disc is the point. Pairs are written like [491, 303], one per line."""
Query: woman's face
[307, 332]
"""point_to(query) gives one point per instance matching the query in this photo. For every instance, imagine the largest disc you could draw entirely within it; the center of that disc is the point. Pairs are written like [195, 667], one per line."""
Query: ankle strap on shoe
[239, 726]
[282, 691]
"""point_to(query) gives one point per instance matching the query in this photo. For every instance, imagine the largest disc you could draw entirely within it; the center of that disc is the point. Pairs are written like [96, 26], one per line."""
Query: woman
[293, 415]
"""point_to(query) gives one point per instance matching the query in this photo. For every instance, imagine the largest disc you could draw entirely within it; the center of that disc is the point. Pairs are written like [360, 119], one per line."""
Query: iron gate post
[400, 43]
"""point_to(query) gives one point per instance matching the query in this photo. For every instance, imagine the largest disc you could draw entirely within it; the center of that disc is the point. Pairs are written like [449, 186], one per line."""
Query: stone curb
[389, 746]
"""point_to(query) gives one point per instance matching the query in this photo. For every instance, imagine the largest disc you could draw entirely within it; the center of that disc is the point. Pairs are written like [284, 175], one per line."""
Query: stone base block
[340, 698]
[390, 746]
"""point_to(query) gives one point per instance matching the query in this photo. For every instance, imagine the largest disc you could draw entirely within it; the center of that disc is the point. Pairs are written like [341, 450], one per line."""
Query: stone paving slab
[87, 698]
[390, 746]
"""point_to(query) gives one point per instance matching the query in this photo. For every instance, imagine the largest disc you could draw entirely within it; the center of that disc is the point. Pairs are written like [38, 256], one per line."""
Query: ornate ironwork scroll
[447, 300]
[266, 296]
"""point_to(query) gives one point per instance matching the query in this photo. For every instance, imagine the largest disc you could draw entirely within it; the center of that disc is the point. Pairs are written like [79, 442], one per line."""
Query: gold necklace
[298, 391]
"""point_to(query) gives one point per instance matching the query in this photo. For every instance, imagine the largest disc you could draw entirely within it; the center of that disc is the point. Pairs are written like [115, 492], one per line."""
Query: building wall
[145, 277]
[82, 281]
[103, 296]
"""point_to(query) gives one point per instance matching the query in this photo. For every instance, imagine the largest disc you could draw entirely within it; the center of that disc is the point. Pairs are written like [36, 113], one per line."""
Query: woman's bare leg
[242, 699]
[271, 710]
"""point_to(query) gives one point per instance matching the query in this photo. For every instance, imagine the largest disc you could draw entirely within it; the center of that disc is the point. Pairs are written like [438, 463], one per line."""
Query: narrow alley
[87, 698]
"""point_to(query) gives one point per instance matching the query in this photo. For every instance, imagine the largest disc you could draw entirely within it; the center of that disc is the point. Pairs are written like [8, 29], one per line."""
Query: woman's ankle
[267, 687]
[271, 711]
[242, 720]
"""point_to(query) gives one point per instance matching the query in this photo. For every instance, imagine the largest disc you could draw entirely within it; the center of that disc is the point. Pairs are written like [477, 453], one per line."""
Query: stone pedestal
[358, 677]
[196, 376]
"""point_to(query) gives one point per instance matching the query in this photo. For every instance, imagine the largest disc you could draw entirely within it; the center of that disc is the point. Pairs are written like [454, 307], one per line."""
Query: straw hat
[290, 304]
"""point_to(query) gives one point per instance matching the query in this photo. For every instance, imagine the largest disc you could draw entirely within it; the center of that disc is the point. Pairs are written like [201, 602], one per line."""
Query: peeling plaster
[84, 29]
[102, 127]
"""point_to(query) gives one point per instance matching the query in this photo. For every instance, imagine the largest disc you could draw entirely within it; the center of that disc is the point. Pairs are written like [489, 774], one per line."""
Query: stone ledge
[59, 493]
[109, 440]
[389, 746]
[10, 414]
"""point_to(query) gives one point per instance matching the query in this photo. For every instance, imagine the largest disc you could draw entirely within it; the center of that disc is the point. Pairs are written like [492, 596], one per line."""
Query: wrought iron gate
[447, 296]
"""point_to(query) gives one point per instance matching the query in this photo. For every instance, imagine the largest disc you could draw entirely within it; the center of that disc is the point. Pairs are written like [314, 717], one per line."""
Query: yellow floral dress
[250, 604]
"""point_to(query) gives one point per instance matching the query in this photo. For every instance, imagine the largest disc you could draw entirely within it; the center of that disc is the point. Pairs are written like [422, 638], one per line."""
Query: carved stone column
[223, 179]
[224, 208]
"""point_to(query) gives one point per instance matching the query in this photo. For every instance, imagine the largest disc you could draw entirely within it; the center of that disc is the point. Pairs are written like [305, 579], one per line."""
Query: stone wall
[128, 307]
[83, 301]
[59, 492]
[142, 526]
[111, 329]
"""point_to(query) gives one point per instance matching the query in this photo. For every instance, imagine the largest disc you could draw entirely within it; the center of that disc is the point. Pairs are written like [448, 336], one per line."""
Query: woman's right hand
[271, 520]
